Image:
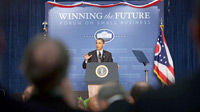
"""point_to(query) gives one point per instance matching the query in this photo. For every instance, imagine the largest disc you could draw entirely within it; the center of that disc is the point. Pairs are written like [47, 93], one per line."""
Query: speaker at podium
[99, 73]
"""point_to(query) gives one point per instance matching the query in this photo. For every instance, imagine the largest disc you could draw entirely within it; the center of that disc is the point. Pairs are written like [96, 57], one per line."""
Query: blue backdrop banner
[123, 27]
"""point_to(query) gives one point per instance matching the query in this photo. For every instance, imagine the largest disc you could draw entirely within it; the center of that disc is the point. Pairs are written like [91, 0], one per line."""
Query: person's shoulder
[92, 52]
[107, 52]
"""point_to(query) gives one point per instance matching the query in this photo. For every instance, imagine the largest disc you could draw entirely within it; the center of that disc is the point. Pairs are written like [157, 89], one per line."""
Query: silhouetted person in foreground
[45, 65]
[112, 97]
[137, 90]
[184, 96]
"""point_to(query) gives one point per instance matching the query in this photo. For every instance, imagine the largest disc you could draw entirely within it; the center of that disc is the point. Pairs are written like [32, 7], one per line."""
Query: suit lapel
[95, 56]
[103, 56]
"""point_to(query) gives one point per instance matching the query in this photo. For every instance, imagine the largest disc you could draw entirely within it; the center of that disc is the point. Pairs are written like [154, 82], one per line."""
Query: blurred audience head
[93, 105]
[27, 93]
[110, 93]
[138, 89]
[45, 63]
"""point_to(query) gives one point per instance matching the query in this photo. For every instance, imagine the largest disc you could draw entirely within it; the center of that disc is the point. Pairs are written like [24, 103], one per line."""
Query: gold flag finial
[45, 28]
[161, 24]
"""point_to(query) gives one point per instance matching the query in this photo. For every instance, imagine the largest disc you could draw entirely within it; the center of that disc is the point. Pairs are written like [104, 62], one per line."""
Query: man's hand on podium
[118, 67]
[87, 57]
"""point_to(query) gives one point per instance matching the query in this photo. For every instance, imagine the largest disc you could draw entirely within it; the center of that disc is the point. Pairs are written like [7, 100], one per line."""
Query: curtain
[21, 19]
[178, 15]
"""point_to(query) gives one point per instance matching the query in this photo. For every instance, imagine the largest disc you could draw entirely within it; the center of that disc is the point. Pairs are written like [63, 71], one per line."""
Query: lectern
[99, 73]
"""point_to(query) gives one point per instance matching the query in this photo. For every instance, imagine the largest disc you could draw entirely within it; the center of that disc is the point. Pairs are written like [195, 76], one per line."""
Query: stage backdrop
[124, 26]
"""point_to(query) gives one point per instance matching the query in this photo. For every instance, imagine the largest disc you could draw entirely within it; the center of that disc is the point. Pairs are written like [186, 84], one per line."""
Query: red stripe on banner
[148, 5]
[171, 69]
[161, 75]
[105, 6]
[64, 6]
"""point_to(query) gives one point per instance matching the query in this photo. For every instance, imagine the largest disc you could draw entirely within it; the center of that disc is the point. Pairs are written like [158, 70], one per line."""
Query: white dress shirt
[101, 51]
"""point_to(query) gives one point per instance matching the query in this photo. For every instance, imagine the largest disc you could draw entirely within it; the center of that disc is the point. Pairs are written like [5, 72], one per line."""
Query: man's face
[99, 44]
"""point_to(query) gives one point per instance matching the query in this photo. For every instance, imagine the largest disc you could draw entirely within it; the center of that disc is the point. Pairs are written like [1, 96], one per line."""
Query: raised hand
[87, 57]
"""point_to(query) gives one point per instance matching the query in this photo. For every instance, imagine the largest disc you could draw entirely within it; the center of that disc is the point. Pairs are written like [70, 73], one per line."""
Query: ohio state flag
[163, 63]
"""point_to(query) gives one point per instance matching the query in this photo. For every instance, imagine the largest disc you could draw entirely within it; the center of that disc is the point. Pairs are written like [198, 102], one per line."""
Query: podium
[99, 73]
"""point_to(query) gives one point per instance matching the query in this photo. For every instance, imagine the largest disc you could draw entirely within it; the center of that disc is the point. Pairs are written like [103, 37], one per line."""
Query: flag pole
[162, 26]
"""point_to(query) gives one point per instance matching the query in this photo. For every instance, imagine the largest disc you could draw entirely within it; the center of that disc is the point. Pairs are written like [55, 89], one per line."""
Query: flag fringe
[165, 83]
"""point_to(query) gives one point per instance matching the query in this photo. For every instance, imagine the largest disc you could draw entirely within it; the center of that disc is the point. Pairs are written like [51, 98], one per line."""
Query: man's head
[138, 89]
[45, 63]
[100, 43]
[110, 93]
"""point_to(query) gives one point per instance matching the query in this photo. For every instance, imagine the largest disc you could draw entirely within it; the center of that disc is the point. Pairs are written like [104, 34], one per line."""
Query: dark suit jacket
[106, 57]
[9, 105]
[49, 103]
[120, 106]
[184, 96]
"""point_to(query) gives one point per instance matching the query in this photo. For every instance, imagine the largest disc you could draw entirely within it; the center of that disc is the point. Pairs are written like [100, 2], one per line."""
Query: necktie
[99, 57]
[99, 54]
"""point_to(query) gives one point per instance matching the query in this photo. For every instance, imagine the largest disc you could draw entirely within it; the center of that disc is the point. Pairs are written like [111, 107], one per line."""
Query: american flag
[163, 63]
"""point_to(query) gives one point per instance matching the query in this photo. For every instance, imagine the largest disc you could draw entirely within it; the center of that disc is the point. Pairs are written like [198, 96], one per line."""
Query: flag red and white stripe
[163, 63]
[154, 2]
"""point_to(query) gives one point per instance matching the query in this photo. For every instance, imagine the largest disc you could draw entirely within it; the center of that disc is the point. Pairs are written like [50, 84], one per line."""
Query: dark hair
[101, 39]
[45, 80]
[110, 89]
[138, 90]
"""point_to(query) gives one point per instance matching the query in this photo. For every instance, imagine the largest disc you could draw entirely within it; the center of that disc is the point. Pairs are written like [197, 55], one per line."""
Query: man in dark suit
[98, 55]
